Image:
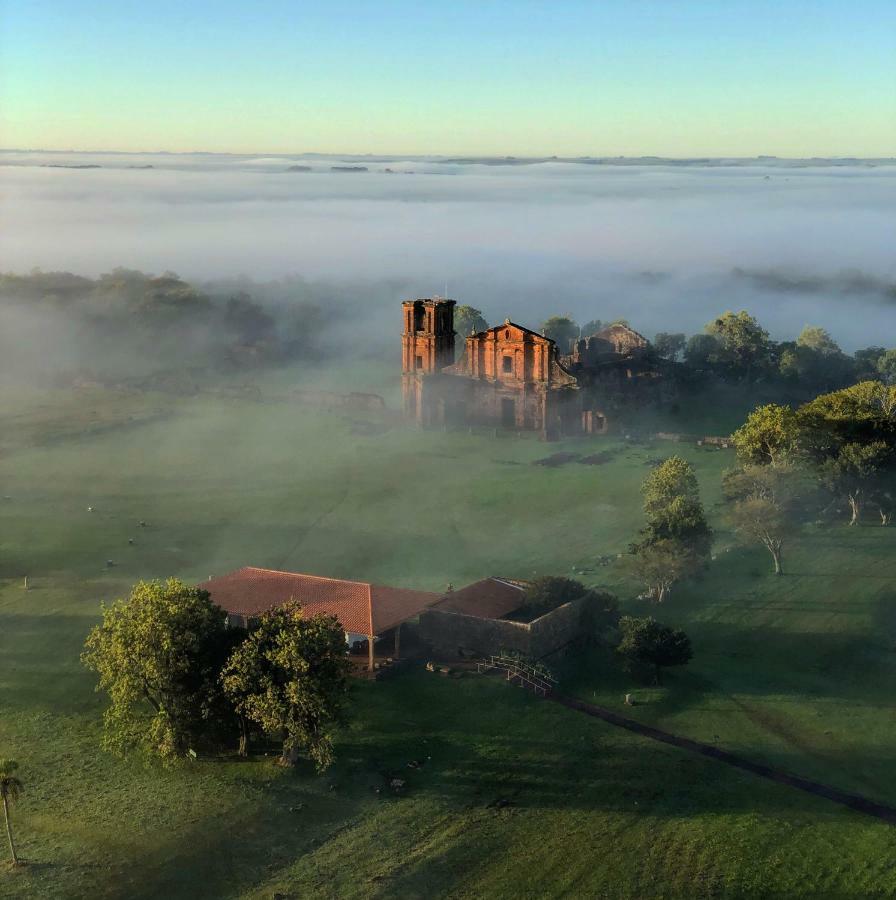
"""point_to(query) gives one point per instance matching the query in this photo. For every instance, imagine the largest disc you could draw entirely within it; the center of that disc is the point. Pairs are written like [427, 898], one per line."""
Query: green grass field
[521, 797]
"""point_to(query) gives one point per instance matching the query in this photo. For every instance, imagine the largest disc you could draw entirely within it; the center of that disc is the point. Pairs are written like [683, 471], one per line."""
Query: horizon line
[496, 156]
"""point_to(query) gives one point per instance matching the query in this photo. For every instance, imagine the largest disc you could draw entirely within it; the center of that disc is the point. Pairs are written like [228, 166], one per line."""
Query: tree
[468, 320]
[673, 508]
[646, 643]
[855, 472]
[770, 436]
[850, 436]
[562, 330]
[661, 564]
[886, 366]
[701, 351]
[669, 345]
[764, 502]
[599, 609]
[819, 340]
[290, 676]
[10, 789]
[158, 655]
[550, 591]
[866, 361]
[744, 346]
[815, 360]
[591, 327]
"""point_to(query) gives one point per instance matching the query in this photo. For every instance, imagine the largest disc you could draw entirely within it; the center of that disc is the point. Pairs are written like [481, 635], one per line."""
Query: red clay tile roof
[361, 608]
[490, 598]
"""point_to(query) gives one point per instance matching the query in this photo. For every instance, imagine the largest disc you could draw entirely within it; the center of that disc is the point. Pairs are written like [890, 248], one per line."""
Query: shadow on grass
[492, 750]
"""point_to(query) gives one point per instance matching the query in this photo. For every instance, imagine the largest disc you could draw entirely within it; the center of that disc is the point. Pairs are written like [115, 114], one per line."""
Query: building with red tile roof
[362, 608]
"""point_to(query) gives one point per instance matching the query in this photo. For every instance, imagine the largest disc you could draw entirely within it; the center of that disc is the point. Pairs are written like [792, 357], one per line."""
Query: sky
[522, 78]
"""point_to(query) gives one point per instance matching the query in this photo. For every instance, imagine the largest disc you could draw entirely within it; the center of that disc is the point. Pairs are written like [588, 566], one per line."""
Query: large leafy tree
[818, 339]
[10, 789]
[669, 345]
[598, 608]
[550, 591]
[814, 360]
[468, 320]
[646, 644]
[855, 472]
[850, 436]
[290, 677]
[673, 508]
[158, 655]
[562, 330]
[886, 365]
[701, 352]
[866, 362]
[659, 565]
[764, 505]
[770, 436]
[677, 538]
[744, 346]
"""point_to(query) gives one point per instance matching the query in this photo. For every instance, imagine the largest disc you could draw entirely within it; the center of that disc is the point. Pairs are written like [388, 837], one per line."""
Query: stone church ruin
[511, 377]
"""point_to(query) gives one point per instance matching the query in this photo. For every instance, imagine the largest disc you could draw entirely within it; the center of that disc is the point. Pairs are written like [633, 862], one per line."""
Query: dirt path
[853, 801]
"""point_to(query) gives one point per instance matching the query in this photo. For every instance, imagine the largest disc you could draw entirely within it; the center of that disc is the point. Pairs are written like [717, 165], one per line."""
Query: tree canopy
[646, 644]
[765, 502]
[289, 676]
[158, 654]
[562, 330]
[673, 507]
[769, 436]
[669, 345]
[744, 346]
[657, 566]
[468, 320]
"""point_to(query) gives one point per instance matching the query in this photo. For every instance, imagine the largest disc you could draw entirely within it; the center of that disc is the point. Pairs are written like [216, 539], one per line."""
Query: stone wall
[555, 629]
[449, 632]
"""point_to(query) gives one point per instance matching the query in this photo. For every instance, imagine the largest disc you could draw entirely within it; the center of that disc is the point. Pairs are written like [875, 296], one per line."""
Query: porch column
[397, 639]
[370, 638]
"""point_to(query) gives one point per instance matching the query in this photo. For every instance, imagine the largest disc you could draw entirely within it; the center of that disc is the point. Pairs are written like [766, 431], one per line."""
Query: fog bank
[668, 247]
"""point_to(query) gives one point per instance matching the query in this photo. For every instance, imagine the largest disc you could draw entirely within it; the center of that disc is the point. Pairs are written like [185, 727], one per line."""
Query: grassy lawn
[799, 671]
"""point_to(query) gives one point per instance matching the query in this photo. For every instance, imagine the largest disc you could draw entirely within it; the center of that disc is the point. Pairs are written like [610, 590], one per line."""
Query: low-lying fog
[665, 246]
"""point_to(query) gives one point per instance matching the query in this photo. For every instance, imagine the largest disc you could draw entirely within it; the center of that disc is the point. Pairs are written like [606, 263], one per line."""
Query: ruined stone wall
[555, 629]
[449, 632]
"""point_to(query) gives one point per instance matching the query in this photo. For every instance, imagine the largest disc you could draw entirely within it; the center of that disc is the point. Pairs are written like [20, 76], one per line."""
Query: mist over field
[668, 246]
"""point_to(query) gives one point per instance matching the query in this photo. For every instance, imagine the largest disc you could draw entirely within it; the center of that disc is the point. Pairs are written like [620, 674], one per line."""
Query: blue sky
[630, 77]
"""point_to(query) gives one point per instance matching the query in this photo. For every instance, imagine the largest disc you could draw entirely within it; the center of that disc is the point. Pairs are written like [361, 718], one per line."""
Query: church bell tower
[427, 346]
[428, 337]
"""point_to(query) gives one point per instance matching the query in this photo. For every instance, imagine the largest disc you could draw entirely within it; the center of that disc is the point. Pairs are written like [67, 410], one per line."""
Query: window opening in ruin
[419, 362]
[507, 365]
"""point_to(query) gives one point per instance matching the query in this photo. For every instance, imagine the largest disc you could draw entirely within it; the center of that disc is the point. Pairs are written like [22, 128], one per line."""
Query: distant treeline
[131, 320]
[736, 348]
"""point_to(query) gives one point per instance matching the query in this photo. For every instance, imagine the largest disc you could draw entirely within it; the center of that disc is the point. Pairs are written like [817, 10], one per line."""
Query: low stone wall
[450, 632]
[699, 440]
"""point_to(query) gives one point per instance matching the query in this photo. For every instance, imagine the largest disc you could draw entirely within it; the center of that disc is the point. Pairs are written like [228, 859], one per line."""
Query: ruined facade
[512, 377]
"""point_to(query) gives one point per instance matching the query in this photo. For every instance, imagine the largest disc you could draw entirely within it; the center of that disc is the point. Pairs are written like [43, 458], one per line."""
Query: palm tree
[10, 788]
